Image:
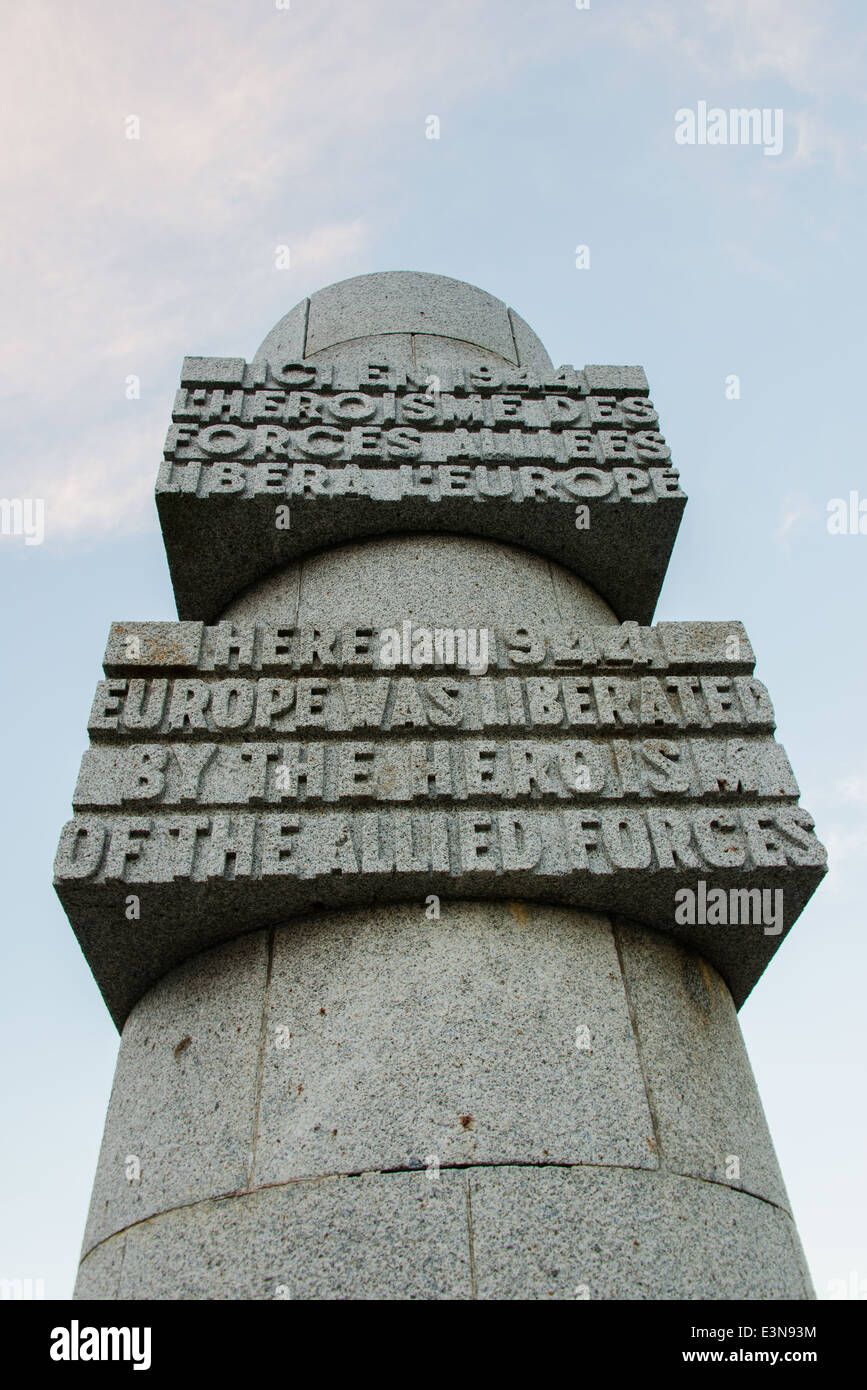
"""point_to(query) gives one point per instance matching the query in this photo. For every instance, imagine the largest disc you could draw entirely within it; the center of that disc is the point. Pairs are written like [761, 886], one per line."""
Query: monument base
[507, 1100]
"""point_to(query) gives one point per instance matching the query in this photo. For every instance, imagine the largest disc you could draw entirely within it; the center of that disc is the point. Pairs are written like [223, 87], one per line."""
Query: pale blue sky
[306, 127]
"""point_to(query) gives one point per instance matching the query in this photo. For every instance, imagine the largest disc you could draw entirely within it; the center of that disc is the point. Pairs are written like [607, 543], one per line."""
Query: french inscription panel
[546, 463]
[377, 374]
[375, 414]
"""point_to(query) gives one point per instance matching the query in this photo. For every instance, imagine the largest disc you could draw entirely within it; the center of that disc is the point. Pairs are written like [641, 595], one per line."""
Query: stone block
[213, 371]
[396, 1038]
[617, 380]
[174, 646]
[375, 1236]
[181, 1117]
[578, 1234]
[440, 578]
[708, 1114]
[581, 1233]
[721, 642]
[287, 340]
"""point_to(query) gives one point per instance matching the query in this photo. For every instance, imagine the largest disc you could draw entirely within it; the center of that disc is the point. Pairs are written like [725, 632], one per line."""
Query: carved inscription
[190, 707]
[592, 840]
[439, 432]
[637, 729]
[694, 648]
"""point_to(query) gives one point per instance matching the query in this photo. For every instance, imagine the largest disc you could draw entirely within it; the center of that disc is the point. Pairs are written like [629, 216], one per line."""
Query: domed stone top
[408, 403]
[400, 302]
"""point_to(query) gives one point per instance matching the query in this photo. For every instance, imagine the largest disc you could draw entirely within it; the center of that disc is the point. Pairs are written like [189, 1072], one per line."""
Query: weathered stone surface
[403, 302]
[180, 1119]
[392, 1038]
[174, 646]
[426, 576]
[287, 340]
[619, 1234]
[100, 1269]
[375, 1236]
[259, 868]
[530, 350]
[213, 371]
[708, 1115]
[537, 1234]
[382, 1026]
[351, 362]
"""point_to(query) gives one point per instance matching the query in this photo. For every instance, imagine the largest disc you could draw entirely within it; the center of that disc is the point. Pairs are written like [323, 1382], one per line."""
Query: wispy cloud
[746, 43]
[795, 511]
[789, 39]
[794, 41]
[256, 127]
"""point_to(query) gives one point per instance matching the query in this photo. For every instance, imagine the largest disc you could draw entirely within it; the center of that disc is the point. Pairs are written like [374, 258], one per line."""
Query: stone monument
[422, 876]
